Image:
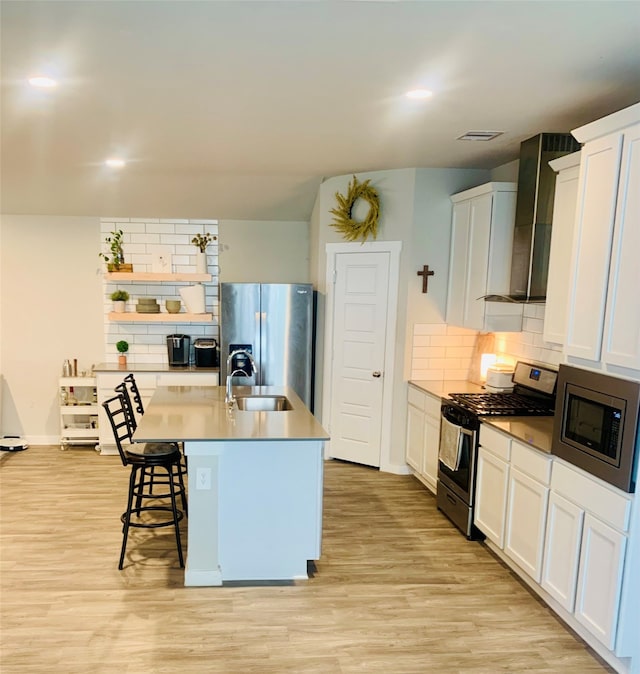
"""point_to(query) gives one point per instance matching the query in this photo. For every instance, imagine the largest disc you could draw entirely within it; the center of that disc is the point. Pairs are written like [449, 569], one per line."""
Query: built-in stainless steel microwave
[596, 424]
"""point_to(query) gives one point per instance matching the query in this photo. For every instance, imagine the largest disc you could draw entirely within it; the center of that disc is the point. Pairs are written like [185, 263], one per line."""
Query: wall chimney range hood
[534, 211]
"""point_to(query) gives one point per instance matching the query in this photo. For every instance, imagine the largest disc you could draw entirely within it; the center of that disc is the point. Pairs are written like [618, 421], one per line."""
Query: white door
[357, 352]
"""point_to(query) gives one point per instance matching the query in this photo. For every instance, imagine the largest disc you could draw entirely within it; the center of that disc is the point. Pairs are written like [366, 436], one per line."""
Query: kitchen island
[255, 481]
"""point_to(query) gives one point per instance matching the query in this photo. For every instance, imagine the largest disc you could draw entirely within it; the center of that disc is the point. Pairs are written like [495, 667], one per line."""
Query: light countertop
[150, 367]
[535, 431]
[198, 413]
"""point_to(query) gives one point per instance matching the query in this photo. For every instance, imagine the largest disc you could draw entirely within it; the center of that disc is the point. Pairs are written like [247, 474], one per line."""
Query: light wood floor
[397, 590]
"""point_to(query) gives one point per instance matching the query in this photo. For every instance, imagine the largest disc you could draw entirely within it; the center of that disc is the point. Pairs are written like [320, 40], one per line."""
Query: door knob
[377, 374]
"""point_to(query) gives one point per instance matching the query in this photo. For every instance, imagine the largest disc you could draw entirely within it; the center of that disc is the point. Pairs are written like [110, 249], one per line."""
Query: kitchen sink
[263, 403]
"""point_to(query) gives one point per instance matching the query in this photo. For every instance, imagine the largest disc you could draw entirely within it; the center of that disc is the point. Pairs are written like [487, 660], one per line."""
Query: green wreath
[351, 229]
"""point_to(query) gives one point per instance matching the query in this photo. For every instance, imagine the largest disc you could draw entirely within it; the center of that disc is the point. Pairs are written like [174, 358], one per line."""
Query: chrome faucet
[229, 398]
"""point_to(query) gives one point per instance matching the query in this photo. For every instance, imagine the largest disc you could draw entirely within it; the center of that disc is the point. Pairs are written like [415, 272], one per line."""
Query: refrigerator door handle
[263, 375]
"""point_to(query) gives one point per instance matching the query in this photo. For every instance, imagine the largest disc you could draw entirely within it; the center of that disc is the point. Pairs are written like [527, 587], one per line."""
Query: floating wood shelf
[134, 317]
[152, 276]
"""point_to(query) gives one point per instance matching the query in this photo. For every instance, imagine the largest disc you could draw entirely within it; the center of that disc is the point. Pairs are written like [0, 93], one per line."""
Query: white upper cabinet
[480, 264]
[564, 213]
[603, 323]
[622, 317]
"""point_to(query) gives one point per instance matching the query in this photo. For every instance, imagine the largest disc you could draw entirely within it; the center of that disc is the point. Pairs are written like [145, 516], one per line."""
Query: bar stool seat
[143, 457]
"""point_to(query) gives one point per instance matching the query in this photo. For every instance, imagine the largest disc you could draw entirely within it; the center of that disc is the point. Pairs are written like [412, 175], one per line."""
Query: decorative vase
[119, 306]
[122, 360]
[201, 263]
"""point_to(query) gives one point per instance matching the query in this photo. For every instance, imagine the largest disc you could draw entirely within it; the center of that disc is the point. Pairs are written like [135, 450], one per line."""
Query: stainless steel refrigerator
[274, 322]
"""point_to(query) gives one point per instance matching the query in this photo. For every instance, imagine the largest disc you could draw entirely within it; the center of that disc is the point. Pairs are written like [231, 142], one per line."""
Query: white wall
[52, 309]
[264, 251]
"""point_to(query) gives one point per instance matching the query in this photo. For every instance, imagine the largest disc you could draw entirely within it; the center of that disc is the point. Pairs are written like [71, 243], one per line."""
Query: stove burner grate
[505, 404]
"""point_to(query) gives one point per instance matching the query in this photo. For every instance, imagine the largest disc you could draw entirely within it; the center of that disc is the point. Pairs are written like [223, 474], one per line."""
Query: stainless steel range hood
[534, 211]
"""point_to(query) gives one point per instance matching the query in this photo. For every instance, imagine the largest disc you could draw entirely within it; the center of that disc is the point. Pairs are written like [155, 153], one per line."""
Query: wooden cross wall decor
[425, 273]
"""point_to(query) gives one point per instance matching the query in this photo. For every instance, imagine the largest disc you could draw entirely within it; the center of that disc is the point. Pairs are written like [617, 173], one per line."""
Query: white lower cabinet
[586, 540]
[529, 478]
[423, 435]
[600, 579]
[492, 483]
[559, 526]
[562, 550]
[512, 492]
[526, 519]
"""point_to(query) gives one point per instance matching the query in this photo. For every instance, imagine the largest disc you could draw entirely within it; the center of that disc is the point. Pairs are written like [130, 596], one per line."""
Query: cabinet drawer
[495, 442]
[416, 398]
[531, 463]
[591, 495]
[432, 406]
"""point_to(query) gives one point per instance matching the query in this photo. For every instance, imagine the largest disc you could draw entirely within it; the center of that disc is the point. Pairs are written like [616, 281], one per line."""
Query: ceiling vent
[480, 135]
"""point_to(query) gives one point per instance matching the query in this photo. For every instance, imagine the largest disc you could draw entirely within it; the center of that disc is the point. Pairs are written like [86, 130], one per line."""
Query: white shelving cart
[78, 411]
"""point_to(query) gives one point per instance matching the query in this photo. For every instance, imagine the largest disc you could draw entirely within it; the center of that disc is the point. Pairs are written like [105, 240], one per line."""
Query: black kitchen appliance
[178, 350]
[533, 395]
[206, 353]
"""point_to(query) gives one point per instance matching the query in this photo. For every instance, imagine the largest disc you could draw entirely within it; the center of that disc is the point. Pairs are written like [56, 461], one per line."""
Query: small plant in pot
[122, 347]
[115, 260]
[119, 299]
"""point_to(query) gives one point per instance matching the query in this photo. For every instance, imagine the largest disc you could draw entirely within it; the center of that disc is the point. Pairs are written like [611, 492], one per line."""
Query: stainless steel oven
[533, 395]
[456, 485]
[596, 424]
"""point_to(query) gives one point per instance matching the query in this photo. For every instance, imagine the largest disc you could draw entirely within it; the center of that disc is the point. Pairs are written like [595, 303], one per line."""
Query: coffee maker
[178, 350]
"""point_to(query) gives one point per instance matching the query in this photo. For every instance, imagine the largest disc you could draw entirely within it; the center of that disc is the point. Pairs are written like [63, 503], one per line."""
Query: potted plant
[115, 260]
[119, 299]
[201, 241]
[122, 347]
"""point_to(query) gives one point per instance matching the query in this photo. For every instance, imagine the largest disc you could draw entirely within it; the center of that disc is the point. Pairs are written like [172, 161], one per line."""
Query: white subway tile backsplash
[142, 237]
[159, 228]
[449, 350]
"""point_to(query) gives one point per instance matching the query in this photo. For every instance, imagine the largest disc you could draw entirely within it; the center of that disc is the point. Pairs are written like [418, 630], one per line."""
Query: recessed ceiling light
[42, 82]
[114, 162]
[419, 93]
[480, 135]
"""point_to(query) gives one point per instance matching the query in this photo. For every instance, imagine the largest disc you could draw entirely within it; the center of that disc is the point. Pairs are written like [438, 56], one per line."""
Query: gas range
[462, 413]
[533, 395]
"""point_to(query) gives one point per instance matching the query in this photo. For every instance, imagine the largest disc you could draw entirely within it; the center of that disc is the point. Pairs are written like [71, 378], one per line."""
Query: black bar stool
[141, 457]
[136, 406]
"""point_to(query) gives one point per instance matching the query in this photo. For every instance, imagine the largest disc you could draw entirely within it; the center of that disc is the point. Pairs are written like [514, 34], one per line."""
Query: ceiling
[240, 109]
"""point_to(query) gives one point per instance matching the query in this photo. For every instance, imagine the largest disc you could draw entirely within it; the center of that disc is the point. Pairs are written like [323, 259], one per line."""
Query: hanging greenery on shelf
[351, 229]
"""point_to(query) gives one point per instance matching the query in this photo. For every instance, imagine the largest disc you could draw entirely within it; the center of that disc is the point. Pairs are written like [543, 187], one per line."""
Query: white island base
[255, 509]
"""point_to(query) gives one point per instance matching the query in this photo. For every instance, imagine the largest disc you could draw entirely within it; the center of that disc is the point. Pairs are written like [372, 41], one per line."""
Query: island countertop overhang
[199, 413]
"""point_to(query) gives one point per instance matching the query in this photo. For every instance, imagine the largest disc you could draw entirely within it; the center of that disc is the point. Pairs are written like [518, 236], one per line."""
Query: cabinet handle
[377, 374]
